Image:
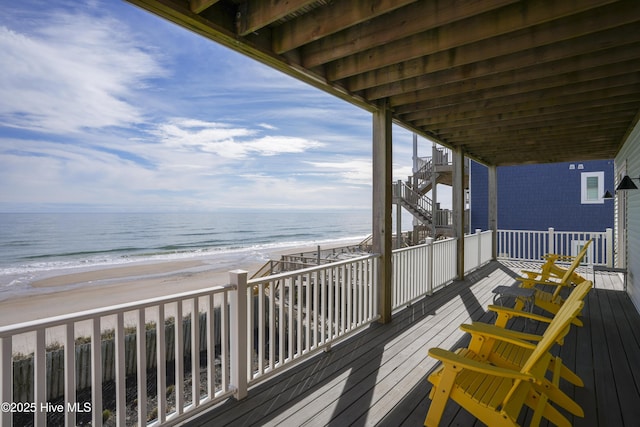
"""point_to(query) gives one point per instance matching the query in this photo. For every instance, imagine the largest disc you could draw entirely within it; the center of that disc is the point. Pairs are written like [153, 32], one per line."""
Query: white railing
[442, 156]
[135, 318]
[248, 330]
[293, 315]
[420, 270]
[533, 245]
[477, 249]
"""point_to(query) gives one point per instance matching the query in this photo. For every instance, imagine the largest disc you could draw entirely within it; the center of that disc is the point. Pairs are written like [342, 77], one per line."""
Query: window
[592, 187]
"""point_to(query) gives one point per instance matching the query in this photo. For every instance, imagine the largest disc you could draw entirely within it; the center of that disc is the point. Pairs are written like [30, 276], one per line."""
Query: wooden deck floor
[379, 376]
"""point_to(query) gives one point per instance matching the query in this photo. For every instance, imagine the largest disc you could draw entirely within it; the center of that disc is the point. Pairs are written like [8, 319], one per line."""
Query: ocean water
[38, 245]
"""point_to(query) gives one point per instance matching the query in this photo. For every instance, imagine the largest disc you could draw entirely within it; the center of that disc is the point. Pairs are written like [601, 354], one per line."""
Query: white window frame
[583, 187]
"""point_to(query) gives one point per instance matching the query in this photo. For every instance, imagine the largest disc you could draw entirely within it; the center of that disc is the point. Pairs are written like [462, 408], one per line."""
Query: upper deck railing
[533, 245]
[191, 350]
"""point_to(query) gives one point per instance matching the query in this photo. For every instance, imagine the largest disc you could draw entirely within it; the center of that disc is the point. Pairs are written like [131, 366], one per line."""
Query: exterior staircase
[419, 205]
[411, 194]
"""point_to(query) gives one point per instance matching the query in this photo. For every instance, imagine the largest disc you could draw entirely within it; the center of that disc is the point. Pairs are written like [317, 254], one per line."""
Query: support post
[6, 386]
[479, 242]
[434, 192]
[238, 316]
[398, 216]
[609, 246]
[493, 210]
[429, 242]
[458, 208]
[415, 153]
[415, 235]
[382, 208]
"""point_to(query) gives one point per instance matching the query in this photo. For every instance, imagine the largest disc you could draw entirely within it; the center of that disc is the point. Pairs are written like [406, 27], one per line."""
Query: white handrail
[295, 314]
[529, 245]
[253, 329]
[198, 302]
[420, 270]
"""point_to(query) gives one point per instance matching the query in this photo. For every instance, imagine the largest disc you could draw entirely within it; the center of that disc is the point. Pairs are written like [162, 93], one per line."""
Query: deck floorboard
[379, 377]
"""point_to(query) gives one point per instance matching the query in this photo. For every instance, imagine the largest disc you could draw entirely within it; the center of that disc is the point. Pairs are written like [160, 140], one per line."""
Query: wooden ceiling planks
[508, 81]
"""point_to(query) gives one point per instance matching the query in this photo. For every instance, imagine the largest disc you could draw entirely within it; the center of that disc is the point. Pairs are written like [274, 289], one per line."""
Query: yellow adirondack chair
[551, 301]
[497, 395]
[494, 344]
[504, 314]
[551, 269]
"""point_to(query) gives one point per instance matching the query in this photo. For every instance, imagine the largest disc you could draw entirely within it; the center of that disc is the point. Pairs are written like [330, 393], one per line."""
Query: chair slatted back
[566, 278]
[538, 361]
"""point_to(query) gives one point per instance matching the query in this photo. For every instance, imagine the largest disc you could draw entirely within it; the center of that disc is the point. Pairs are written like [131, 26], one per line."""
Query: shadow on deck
[379, 376]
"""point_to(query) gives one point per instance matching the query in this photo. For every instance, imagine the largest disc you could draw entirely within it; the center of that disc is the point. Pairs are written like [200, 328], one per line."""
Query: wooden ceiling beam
[198, 6]
[605, 118]
[415, 18]
[253, 15]
[525, 47]
[329, 19]
[490, 88]
[594, 89]
[506, 149]
[543, 145]
[562, 151]
[500, 22]
[523, 155]
[502, 131]
[528, 111]
[549, 146]
[586, 113]
[488, 145]
[495, 119]
[512, 68]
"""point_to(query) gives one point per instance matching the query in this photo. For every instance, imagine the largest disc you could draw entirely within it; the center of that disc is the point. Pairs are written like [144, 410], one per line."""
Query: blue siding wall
[536, 197]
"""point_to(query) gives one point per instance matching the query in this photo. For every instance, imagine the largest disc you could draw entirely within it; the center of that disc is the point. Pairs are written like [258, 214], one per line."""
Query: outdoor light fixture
[607, 195]
[627, 184]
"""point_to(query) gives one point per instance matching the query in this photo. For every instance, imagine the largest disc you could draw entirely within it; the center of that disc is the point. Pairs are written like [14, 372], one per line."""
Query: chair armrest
[460, 362]
[556, 257]
[518, 313]
[498, 332]
[541, 282]
[531, 275]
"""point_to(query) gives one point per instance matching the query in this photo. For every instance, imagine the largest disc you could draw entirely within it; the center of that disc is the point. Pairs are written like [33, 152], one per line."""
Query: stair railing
[424, 169]
[421, 204]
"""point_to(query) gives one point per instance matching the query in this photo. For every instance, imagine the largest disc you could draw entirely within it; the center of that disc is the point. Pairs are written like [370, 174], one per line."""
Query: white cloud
[273, 145]
[353, 171]
[227, 141]
[402, 172]
[275, 192]
[72, 72]
[98, 109]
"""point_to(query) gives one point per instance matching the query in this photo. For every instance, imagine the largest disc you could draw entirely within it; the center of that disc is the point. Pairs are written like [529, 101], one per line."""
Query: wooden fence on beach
[23, 369]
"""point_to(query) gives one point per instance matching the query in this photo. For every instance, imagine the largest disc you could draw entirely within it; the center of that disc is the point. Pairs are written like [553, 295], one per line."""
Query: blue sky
[105, 107]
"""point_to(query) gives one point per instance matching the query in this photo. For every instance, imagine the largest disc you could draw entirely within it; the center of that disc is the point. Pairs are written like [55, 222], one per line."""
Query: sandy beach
[103, 287]
[68, 293]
